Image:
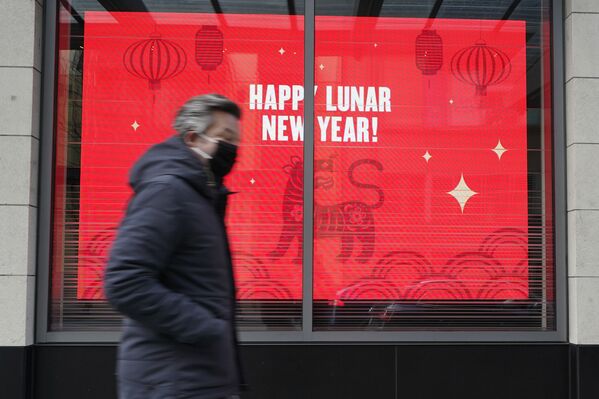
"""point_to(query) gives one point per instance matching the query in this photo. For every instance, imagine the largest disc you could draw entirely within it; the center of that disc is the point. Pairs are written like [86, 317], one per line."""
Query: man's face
[224, 127]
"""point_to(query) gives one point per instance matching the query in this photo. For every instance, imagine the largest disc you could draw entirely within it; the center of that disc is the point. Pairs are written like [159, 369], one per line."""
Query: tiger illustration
[352, 221]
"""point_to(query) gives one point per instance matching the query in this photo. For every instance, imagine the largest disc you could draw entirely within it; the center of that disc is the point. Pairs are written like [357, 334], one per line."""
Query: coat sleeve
[147, 237]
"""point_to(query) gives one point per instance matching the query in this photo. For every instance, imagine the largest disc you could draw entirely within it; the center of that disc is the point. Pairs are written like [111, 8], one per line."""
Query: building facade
[432, 232]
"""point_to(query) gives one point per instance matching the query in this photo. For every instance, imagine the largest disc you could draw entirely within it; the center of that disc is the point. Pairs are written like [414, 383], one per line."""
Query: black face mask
[223, 159]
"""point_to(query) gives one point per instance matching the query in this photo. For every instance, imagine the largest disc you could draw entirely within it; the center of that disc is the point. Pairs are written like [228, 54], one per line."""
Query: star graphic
[135, 125]
[321, 67]
[451, 100]
[427, 156]
[499, 149]
[282, 51]
[376, 44]
[462, 193]
[252, 181]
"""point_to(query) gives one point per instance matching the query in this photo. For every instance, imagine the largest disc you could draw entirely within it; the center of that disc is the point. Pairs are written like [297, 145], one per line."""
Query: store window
[431, 171]
[431, 193]
[123, 72]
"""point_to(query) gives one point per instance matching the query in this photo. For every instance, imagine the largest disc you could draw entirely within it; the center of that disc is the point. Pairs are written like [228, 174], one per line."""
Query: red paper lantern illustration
[429, 52]
[481, 66]
[155, 59]
[209, 47]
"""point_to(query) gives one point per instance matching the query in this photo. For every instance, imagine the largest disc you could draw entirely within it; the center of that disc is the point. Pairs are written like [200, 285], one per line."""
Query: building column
[582, 140]
[20, 76]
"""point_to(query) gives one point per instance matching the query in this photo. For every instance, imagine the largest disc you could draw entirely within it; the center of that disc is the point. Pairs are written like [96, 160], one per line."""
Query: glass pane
[124, 68]
[432, 202]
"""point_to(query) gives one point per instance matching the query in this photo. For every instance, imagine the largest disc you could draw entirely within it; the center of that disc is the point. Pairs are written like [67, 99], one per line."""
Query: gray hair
[196, 114]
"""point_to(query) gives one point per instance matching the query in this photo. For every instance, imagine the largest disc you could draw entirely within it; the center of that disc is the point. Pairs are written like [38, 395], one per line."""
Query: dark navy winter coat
[170, 274]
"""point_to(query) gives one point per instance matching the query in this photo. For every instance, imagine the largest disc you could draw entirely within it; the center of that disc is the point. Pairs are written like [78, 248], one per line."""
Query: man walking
[170, 271]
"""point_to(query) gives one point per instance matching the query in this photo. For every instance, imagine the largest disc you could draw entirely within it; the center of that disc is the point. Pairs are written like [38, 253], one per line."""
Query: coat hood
[171, 157]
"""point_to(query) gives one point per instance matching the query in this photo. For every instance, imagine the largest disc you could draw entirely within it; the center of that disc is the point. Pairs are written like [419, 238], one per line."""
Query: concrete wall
[582, 140]
[20, 78]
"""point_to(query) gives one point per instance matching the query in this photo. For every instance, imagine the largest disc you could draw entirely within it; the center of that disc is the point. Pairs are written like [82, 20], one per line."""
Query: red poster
[420, 147]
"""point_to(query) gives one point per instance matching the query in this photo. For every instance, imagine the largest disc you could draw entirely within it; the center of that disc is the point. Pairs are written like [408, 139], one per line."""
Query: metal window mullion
[308, 213]
[559, 165]
[46, 171]
[544, 261]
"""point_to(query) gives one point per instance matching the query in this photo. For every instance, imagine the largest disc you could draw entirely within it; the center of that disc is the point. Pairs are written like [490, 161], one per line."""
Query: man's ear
[190, 138]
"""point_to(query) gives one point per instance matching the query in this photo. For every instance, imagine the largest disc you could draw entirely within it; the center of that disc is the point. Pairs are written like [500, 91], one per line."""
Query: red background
[424, 246]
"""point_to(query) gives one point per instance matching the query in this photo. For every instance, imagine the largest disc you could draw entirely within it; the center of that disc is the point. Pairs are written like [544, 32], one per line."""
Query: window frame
[306, 335]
